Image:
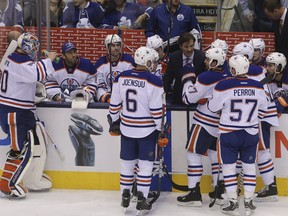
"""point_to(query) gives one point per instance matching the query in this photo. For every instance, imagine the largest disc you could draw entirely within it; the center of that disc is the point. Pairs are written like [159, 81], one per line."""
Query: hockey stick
[216, 188]
[266, 80]
[160, 152]
[241, 181]
[174, 185]
[10, 49]
[60, 153]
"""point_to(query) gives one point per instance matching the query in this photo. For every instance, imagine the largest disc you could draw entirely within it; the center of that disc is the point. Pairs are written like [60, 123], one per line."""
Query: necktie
[187, 61]
[281, 24]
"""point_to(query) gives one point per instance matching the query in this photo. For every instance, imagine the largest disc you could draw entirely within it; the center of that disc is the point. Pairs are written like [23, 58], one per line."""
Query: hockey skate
[220, 191]
[125, 199]
[192, 198]
[249, 207]
[268, 193]
[143, 207]
[232, 208]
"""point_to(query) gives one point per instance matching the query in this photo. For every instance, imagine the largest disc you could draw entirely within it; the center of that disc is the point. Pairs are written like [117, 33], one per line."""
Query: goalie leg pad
[16, 166]
[34, 179]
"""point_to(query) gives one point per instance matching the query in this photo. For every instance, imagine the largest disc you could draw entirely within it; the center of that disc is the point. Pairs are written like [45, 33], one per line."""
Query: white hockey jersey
[203, 88]
[256, 72]
[19, 78]
[136, 99]
[103, 77]
[67, 79]
[242, 103]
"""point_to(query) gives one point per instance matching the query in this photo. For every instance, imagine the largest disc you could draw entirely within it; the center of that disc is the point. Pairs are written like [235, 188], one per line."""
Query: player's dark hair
[185, 37]
[271, 5]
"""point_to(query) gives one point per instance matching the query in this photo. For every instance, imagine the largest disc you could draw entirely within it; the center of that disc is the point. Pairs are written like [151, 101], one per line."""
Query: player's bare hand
[52, 55]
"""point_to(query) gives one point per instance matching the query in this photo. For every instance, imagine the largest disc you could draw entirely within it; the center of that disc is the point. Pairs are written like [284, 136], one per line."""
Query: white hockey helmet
[154, 42]
[29, 43]
[218, 43]
[112, 38]
[216, 54]
[143, 55]
[278, 59]
[244, 48]
[239, 63]
[258, 43]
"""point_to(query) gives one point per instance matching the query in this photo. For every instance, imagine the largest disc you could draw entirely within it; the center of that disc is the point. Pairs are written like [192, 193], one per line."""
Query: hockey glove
[188, 74]
[202, 101]
[114, 129]
[163, 136]
[105, 98]
[281, 97]
[62, 97]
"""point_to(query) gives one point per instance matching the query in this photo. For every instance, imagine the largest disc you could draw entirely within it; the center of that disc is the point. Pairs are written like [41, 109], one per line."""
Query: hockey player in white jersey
[156, 42]
[72, 72]
[259, 48]
[136, 111]
[203, 133]
[218, 43]
[264, 158]
[109, 66]
[276, 63]
[18, 85]
[242, 102]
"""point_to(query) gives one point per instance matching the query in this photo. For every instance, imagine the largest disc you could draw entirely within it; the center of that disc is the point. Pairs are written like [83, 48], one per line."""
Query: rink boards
[98, 166]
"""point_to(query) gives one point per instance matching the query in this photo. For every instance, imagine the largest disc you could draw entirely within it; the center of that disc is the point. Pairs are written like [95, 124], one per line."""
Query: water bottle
[45, 52]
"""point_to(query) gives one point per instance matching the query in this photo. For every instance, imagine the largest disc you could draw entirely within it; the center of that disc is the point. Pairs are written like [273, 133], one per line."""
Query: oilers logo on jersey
[114, 74]
[70, 84]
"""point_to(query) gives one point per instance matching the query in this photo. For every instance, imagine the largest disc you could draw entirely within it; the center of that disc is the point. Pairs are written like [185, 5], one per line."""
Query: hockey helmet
[278, 59]
[29, 43]
[143, 55]
[258, 43]
[218, 43]
[239, 63]
[112, 38]
[154, 42]
[216, 54]
[244, 48]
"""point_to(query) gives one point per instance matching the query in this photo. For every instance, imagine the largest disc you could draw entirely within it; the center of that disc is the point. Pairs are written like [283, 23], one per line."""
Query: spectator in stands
[72, 72]
[278, 13]
[186, 55]
[261, 22]
[82, 14]
[109, 66]
[103, 3]
[125, 15]
[10, 13]
[32, 6]
[171, 19]
[56, 11]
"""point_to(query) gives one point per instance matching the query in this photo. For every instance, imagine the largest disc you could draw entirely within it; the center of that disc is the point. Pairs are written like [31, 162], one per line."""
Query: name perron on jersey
[242, 103]
[136, 98]
[19, 77]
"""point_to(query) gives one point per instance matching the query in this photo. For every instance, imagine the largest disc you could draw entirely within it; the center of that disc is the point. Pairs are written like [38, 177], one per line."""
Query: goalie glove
[163, 138]
[188, 74]
[114, 128]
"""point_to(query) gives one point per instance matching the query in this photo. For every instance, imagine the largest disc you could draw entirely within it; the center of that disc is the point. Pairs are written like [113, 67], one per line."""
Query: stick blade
[10, 49]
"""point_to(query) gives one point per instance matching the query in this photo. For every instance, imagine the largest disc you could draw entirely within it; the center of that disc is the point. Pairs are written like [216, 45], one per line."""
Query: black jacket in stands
[174, 68]
[281, 40]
